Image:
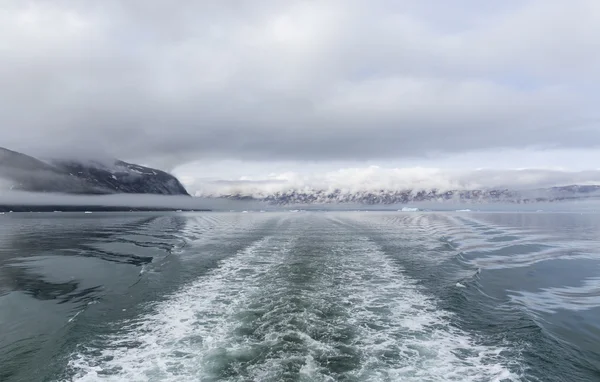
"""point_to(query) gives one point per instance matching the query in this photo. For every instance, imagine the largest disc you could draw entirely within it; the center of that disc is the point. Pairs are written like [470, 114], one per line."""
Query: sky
[302, 91]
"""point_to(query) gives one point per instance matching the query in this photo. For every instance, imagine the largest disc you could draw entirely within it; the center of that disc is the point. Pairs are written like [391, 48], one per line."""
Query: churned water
[313, 296]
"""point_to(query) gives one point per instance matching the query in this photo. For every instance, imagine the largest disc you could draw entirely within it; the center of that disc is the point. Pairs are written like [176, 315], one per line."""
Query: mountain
[295, 197]
[23, 172]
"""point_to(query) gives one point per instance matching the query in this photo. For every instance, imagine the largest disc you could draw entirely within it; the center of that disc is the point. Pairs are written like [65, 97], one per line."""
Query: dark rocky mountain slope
[26, 173]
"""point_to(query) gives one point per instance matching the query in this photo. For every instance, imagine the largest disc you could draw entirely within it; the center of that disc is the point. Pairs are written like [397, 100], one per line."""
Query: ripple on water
[270, 313]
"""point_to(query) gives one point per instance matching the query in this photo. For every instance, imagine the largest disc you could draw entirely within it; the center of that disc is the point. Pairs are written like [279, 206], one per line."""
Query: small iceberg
[409, 209]
[459, 285]
[87, 212]
[465, 210]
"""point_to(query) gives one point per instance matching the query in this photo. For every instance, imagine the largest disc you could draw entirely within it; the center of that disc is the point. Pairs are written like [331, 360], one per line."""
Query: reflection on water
[65, 261]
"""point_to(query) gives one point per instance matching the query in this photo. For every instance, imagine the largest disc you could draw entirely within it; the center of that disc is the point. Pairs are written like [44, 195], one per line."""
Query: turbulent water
[321, 296]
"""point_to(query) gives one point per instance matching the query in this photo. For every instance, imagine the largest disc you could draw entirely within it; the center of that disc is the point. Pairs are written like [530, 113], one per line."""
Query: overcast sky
[196, 86]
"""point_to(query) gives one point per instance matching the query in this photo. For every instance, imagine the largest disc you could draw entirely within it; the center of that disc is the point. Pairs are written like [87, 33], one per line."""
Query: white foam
[172, 341]
[398, 318]
[191, 334]
[75, 316]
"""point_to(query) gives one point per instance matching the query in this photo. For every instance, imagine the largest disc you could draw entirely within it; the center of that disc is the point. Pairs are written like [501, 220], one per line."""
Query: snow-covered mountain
[293, 197]
[373, 184]
[23, 172]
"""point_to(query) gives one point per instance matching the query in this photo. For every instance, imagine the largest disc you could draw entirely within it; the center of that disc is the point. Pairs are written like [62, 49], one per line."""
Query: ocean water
[306, 296]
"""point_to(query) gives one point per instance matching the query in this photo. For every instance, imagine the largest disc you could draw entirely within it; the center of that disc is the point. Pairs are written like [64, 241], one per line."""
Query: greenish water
[307, 296]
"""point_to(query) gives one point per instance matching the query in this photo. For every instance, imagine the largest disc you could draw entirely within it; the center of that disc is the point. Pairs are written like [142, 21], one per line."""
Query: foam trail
[310, 302]
[170, 343]
[402, 333]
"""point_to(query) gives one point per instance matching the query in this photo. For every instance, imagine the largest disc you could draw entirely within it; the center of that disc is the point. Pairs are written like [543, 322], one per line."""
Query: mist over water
[147, 201]
[305, 296]
[174, 202]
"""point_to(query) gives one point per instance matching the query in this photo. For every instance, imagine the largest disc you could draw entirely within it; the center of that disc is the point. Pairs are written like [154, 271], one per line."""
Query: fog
[144, 201]
[375, 178]
[21, 201]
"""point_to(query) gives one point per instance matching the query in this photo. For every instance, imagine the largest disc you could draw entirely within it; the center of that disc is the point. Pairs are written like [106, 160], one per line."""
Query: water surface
[307, 296]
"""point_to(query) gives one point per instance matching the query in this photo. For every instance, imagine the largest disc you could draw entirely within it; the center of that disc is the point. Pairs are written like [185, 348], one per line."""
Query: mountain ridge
[389, 197]
[26, 173]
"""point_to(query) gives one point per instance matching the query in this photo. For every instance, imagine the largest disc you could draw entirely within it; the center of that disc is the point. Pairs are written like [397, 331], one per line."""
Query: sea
[300, 296]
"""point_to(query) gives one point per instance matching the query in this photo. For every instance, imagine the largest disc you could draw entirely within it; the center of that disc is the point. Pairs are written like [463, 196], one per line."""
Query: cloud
[268, 80]
[375, 179]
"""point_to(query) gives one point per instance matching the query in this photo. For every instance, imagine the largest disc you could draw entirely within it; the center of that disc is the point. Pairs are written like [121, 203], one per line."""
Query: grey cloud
[164, 84]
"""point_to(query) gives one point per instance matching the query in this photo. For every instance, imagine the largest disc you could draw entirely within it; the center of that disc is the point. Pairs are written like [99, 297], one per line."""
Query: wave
[314, 302]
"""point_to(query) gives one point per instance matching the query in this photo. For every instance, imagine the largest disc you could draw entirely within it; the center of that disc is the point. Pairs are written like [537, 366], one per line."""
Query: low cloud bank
[374, 179]
[134, 201]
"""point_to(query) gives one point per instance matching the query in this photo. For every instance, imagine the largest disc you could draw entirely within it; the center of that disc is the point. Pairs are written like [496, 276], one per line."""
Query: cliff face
[23, 172]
